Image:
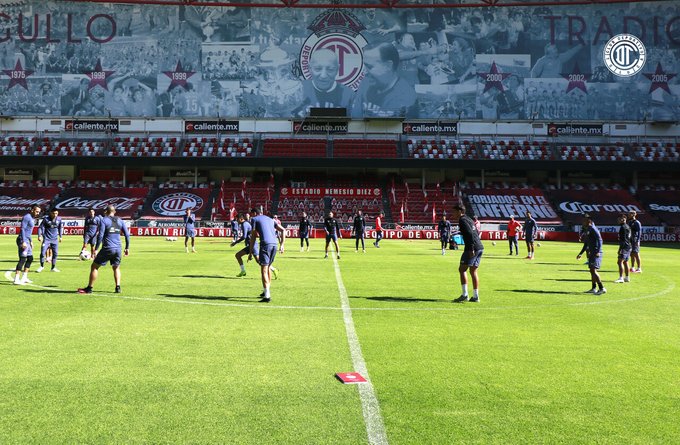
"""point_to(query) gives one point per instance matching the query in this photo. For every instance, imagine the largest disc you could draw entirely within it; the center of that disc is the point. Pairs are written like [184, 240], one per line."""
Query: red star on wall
[577, 79]
[494, 78]
[660, 79]
[178, 77]
[18, 75]
[99, 76]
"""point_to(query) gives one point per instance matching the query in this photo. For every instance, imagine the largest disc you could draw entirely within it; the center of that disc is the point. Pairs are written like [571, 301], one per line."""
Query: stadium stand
[16, 146]
[364, 148]
[516, 150]
[441, 149]
[657, 151]
[615, 152]
[225, 147]
[53, 147]
[143, 147]
[294, 147]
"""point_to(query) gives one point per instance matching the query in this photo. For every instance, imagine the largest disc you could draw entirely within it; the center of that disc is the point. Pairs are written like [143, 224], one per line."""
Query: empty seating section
[53, 147]
[442, 149]
[224, 147]
[419, 202]
[657, 151]
[294, 148]
[255, 194]
[615, 152]
[515, 150]
[143, 147]
[365, 148]
[16, 146]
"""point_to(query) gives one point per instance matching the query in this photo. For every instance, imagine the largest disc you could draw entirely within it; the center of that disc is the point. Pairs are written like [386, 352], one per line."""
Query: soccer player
[330, 225]
[90, 233]
[234, 229]
[266, 229]
[25, 246]
[50, 234]
[530, 230]
[110, 229]
[593, 244]
[444, 229]
[278, 235]
[635, 237]
[359, 229]
[246, 228]
[472, 254]
[625, 247]
[189, 231]
[514, 227]
[378, 229]
[303, 231]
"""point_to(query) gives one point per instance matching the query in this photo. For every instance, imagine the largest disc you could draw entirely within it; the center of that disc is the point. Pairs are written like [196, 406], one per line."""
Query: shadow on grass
[553, 264]
[200, 276]
[50, 291]
[404, 299]
[208, 298]
[567, 279]
[538, 291]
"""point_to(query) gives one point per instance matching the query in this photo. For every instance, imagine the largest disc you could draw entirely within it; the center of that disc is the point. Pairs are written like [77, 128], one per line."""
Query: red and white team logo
[176, 204]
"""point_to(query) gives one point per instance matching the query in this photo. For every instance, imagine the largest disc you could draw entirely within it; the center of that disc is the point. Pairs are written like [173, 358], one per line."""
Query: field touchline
[375, 427]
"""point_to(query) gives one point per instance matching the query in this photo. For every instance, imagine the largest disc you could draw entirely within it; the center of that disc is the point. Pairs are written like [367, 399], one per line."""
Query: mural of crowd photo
[97, 59]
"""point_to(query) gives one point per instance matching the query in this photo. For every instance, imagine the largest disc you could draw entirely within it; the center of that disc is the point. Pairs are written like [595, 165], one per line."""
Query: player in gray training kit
[472, 254]
[625, 247]
[266, 229]
[25, 246]
[593, 246]
[50, 233]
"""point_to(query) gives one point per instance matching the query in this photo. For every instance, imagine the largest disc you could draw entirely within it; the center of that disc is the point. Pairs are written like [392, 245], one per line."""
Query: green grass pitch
[186, 354]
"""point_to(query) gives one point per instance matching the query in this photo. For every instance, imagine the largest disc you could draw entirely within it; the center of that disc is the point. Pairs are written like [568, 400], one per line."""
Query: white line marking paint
[375, 428]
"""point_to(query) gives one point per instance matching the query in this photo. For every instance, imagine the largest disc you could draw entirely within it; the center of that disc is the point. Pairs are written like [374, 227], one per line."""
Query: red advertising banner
[604, 206]
[312, 192]
[493, 205]
[16, 201]
[664, 205]
[74, 202]
[173, 203]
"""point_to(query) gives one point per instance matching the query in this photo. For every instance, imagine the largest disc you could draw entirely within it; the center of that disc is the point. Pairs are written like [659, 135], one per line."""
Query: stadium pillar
[559, 180]
[124, 176]
[47, 176]
[635, 180]
[196, 177]
[483, 178]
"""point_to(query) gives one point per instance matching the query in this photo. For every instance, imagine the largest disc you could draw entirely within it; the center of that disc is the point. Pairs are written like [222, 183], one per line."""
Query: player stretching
[444, 229]
[245, 229]
[110, 228]
[90, 233]
[635, 237]
[359, 229]
[472, 254]
[530, 230]
[25, 246]
[378, 230]
[50, 233]
[625, 246]
[234, 228]
[330, 225]
[189, 231]
[514, 227]
[303, 231]
[266, 229]
[593, 244]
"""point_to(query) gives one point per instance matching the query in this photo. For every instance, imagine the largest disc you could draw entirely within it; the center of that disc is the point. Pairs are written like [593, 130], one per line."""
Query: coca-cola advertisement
[663, 204]
[17, 201]
[173, 203]
[76, 201]
[604, 206]
[497, 205]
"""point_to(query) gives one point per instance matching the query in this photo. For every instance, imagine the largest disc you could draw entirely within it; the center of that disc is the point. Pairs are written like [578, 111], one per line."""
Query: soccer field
[186, 354]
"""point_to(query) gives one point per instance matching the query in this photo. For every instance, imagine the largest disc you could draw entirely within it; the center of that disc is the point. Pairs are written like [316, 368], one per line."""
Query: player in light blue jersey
[189, 231]
[25, 246]
[50, 234]
[90, 232]
[245, 231]
[266, 229]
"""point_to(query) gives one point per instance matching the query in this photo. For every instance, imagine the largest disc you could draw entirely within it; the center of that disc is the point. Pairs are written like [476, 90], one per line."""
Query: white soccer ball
[84, 255]
[538, 244]
[493, 243]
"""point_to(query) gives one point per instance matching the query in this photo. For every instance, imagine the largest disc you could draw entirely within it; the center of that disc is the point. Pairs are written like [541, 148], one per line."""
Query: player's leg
[193, 244]
[337, 248]
[363, 245]
[55, 254]
[186, 244]
[302, 242]
[94, 274]
[356, 243]
[475, 283]
[116, 277]
[462, 272]
[328, 242]
[239, 259]
[510, 244]
[265, 275]
[43, 255]
[20, 268]
[307, 242]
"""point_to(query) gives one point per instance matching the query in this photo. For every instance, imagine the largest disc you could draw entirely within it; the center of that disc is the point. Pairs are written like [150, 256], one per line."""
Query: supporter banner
[664, 205]
[16, 201]
[206, 126]
[188, 173]
[604, 206]
[164, 203]
[555, 130]
[97, 126]
[317, 127]
[76, 201]
[430, 128]
[310, 192]
[498, 205]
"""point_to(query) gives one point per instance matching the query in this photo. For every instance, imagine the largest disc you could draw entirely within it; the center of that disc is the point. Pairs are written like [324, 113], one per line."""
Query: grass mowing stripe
[375, 427]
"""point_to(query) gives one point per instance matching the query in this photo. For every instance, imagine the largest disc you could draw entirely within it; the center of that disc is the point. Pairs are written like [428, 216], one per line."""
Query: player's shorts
[331, 236]
[246, 250]
[90, 239]
[529, 239]
[595, 262]
[360, 235]
[267, 254]
[105, 255]
[23, 253]
[636, 247]
[471, 261]
[304, 235]
[624, 254]
[190, 233]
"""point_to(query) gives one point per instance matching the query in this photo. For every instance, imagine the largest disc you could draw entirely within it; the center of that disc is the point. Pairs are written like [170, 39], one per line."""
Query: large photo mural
[544, 63]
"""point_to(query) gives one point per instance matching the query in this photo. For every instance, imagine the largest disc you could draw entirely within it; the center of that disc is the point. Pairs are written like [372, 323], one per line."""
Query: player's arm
[281, 230]
[253, 237]
[101, 229]
[126, 232]
[585, 247]
[41, 231]
[61, 229]
[241, 238]
[25, 233]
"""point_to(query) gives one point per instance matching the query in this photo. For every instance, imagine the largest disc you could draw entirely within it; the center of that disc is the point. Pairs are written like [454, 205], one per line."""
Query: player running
[90, 232]
[234, 224]
[625, 247]
[378, 230]
[593, 244]
[25, 246]
[245, 230]
[359, 231]
[635, 237]
[110, 228]
[189, 231]
[472, 254]
[530, 230]
[444, 229]
[330, 225]
[514, 227]
[303, 231]
[266, 229]
[50, 233]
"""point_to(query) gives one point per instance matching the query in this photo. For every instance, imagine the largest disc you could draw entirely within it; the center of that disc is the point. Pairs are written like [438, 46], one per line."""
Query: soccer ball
[493, 243]
[84, 255]
[538, 244]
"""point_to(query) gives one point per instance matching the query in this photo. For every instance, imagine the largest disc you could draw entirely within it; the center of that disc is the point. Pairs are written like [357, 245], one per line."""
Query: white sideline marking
[369, 402]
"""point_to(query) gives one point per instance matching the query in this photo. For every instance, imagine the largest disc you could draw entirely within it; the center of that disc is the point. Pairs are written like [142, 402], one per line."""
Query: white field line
[375, 427]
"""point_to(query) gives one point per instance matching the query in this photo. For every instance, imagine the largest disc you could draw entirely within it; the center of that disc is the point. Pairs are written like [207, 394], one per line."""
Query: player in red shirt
[514, 227]
[378, 230]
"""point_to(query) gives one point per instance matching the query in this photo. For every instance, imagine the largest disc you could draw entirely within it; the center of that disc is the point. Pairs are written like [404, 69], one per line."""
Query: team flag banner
[664, 205]
[173, 203]
[310, 192]
[17, 201]
[493, 205]
[76, 201]
[604, 206]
